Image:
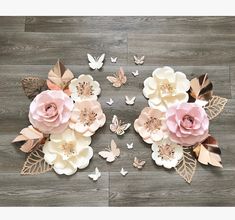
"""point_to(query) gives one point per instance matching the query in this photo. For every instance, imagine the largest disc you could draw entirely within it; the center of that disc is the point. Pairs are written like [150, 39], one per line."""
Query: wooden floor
[194, 45]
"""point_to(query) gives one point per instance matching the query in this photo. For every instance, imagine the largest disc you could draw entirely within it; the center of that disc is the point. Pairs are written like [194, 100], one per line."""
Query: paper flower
[68, 152]
[87, 117]
[84, 88]
[150, 125]
[50, 111]
[166, 153]
[166, 88]
[187, 123]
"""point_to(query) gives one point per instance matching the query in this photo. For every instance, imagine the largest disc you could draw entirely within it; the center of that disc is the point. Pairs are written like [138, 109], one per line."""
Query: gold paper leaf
[200, 88]
[187, 165]
[33, 86]
[35, 164]
[208, 152]
[215, 106]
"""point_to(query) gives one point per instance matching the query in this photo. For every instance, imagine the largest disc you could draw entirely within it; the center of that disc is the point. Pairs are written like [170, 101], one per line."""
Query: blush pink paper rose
[50, 111]
[187, 123]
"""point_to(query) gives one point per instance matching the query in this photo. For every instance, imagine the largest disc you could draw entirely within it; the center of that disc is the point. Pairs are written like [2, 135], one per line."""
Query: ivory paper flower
[84, 88]
[165, 88]
[68, 152]
[187, 123]
[50, 111]
[150, 125]
[87, 117]
[166, 153]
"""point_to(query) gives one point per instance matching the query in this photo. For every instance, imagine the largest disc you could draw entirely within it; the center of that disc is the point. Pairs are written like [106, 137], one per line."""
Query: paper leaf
[208, 152]
[33, 86]
[187, 165]
[215, 106]
[32, 138]
[35, 164]
[200, 88]
[59, 78]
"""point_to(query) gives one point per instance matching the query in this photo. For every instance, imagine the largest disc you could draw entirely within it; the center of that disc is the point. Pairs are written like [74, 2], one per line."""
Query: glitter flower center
[166, 88]
[84, 89]
[87, 117]
[166, 152]
[68, 149]
[153, 124]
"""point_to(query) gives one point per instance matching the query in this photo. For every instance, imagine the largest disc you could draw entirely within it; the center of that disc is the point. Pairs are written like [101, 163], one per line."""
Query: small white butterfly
[110, 102]
[118, 126]
[113, 60]
[130, 101]
[135, 73]
[139, 61]
[111, 153]
[124, 172]
[129, 146]
[96, 175]
[95, 62]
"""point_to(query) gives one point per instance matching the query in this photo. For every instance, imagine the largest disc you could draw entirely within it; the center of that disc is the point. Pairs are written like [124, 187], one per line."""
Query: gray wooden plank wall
[194, 45]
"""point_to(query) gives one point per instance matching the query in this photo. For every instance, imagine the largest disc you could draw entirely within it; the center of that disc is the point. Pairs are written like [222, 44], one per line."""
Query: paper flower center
[153, 124]
[187, 121]
[68, 149]
[87, 117]
[166, 88]
[166, 152]
[84, 89]
[51, 109]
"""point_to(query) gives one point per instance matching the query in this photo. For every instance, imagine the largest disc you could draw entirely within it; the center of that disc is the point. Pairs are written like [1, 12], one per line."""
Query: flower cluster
[66, 116]
[176, 119]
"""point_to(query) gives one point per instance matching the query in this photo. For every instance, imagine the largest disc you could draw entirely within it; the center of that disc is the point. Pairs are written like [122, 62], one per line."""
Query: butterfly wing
[114, 149]
[121, 76]
[107, 155]
[99, 62]
[121, 129]
[115, 124]
[93, 63]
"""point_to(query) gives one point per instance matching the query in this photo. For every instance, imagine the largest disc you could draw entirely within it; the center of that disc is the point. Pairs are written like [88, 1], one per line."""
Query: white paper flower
[67, 152]
[84, 88]
[166, 153]
[166, 88]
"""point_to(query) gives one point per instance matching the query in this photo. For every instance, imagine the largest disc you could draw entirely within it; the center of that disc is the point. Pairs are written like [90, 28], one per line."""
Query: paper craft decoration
[124, 172]
[177, 121]
[118, 79]
[110, 102]
[96, 63]
[118, 126]
[113, 60]
[130, 146]
[110, 153]
[139, 61]
[130, 101]
[96, 175]
[62, 120]
[139, 164]
[135, 73]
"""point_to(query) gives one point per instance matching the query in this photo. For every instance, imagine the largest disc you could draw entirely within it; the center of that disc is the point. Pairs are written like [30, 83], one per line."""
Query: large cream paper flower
[84, 88]
[166, 88]
[166, 153]
[67, 152]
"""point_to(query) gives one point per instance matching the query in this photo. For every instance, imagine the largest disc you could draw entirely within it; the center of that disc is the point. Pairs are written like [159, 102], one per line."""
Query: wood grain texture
[133, 24]
[173, 41]
[12, 24]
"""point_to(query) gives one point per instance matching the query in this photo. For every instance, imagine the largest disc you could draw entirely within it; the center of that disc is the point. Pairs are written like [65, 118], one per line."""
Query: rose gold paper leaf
[208, 152]
[59, 78]
[215, 106]
[187, 165]
[33, 86]
[35, 164]
[200, 88]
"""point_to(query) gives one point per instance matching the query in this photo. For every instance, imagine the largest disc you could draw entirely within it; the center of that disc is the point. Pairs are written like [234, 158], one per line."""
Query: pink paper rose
[187, 123]
[50, 111]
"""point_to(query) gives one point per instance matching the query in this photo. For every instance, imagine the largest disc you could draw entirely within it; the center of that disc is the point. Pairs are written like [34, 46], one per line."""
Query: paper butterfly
[138, 163]
[117, 79]
[139, 61]
[130, 101]
[136, 73]
[129, 146]
[95, 62]
[118, 126]
[110, 154]
[123, 172]
[110, 102]
[113, 60]
[95, 176]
